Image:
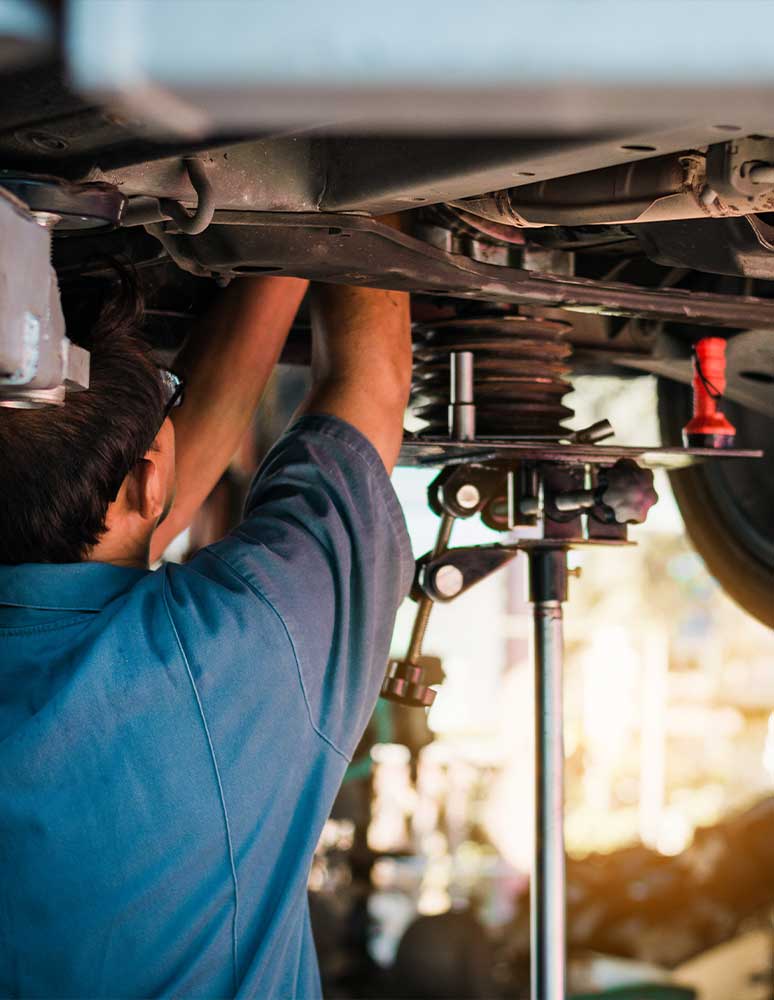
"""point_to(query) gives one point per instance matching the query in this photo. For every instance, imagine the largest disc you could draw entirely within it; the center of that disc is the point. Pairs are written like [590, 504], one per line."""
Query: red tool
[709, 428]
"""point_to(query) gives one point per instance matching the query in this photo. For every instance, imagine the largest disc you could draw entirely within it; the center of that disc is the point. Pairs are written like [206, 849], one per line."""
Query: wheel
[728, 506]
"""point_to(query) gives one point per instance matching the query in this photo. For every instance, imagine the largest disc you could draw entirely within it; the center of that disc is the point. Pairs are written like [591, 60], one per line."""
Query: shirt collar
[86, 586]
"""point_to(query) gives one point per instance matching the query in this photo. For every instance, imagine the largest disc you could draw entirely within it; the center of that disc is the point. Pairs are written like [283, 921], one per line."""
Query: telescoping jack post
[548, 592]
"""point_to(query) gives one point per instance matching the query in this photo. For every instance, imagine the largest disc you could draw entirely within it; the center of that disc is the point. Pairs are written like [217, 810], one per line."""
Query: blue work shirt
[171, 742]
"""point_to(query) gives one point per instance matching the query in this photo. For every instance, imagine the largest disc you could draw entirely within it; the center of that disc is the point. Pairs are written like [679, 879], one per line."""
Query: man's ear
[145, 493]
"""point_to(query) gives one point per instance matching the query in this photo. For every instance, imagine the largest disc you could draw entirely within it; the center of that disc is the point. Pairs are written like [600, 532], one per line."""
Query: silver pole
[462, 408]
[425, 605]
[548, 575]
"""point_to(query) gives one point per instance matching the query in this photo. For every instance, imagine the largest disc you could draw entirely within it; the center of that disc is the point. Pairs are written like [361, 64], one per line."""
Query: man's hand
[226, 365]
[361, 361]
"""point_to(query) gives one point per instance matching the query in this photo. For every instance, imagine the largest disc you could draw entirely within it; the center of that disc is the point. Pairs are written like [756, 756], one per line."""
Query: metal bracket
[444, 577]
[732, 172]
[37, 361]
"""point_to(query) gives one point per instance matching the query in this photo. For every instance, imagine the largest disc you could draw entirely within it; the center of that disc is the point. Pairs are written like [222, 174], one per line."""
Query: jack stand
[548, 591]
[577, 492]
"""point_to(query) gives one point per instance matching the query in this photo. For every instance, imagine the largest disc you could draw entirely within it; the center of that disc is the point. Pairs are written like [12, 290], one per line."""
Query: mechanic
[171, 741]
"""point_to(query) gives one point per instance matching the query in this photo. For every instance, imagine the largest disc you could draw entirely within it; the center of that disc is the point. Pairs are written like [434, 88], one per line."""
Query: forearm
[226, 365]
[361, 361]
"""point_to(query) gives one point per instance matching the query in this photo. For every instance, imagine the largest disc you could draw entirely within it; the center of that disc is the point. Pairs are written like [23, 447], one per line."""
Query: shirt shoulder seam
[264, 600]
[224, 809]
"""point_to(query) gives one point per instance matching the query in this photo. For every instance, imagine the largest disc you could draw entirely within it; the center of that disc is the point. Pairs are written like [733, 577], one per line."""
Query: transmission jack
[476, 377]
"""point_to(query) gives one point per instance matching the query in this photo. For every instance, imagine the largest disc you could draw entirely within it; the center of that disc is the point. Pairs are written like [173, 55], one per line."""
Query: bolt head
[468, 496]
[448, 581]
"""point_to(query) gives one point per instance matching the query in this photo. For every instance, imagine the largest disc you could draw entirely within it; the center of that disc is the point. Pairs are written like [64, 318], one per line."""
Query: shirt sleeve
[324, 542]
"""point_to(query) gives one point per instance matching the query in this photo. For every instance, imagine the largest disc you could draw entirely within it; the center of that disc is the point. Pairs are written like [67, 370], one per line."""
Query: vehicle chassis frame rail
[358, 250]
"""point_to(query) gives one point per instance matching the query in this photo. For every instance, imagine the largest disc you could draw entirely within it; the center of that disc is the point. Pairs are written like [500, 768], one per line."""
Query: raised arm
[226, 365]
[361, 362]
[323, 541]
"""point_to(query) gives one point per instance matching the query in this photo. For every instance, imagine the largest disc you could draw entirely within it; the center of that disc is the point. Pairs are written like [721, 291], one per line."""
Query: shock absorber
[520, 373]
[709, 428]
[488, 374]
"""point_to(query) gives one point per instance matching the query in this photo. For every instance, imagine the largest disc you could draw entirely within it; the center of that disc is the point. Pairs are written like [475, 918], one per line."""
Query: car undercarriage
[605, 248]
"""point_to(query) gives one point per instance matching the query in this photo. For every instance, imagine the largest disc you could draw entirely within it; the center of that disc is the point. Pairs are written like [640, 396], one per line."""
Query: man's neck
[131, 553]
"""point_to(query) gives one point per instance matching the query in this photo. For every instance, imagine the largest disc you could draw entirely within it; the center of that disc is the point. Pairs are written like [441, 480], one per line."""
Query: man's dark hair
[61, 466]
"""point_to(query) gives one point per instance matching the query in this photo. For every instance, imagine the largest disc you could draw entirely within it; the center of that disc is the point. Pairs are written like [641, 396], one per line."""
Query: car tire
[728, 506]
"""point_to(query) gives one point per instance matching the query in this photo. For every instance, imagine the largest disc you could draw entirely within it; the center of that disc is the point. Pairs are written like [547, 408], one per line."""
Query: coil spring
[520, 374]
